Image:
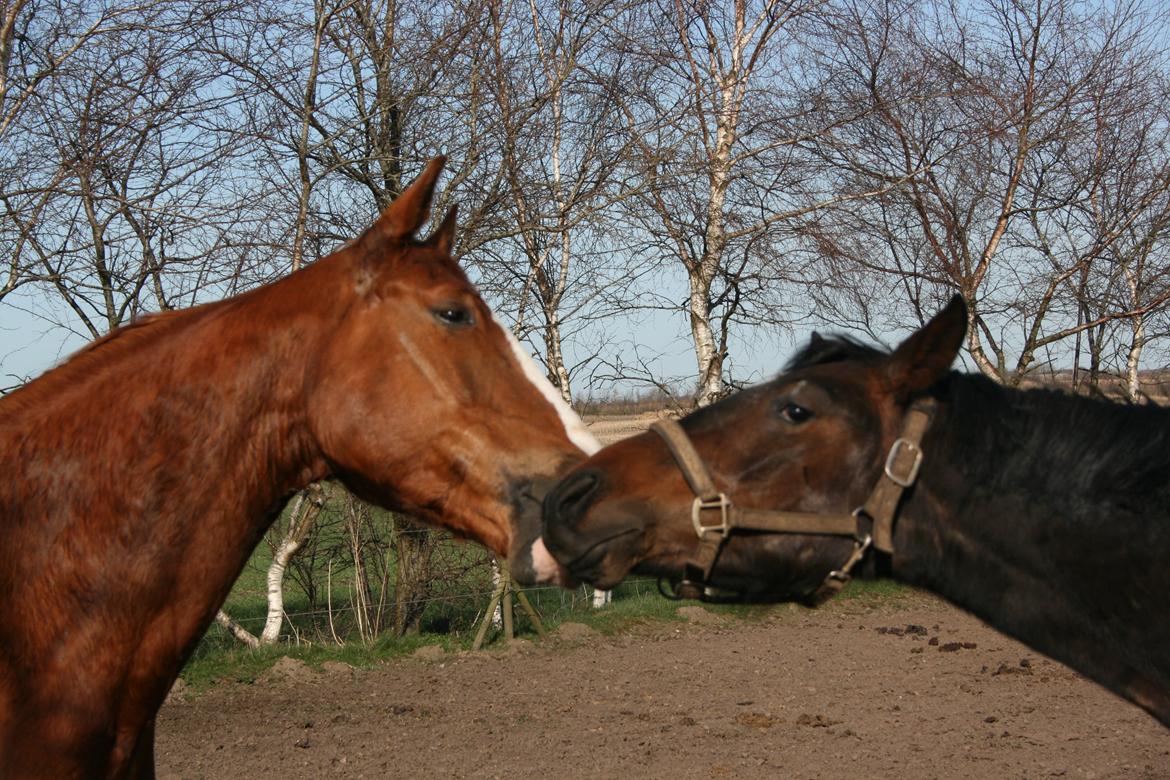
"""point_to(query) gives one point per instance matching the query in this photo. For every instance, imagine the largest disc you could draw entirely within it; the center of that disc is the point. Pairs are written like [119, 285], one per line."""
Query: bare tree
[38, 42]
[992, 115]
[552, 82]
[121, 209]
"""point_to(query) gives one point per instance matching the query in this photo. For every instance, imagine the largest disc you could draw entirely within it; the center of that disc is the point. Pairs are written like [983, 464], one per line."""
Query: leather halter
[871, 524]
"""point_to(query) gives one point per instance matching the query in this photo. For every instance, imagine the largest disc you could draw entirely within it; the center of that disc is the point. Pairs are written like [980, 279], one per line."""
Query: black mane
[1064, 444]
[1070, 444]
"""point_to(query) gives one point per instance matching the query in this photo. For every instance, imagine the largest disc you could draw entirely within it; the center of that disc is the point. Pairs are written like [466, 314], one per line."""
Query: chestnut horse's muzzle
[528, 559]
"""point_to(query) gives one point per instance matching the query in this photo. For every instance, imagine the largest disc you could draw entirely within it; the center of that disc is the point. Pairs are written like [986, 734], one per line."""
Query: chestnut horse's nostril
[568, 501]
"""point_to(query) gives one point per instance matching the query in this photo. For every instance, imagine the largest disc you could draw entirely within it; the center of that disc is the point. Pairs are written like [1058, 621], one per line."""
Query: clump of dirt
[911, 629]
[178, 692]
[816, 721]
[696, 614]
[430, 653]
[575, 632]
[288, 670]
[755, 720]
[951, 647]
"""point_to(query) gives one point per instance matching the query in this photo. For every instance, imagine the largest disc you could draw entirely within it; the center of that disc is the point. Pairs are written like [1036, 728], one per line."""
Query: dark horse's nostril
[568, 500]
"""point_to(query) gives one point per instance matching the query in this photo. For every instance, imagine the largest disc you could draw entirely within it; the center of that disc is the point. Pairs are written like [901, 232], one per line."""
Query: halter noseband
[870, 525]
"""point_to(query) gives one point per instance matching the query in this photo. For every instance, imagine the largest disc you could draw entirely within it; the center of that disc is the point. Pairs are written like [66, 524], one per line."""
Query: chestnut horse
[139, 475]
[1045, 514]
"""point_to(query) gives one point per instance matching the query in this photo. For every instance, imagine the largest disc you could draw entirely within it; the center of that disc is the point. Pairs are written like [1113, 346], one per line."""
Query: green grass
[459, 596]
[874, 592]
[243, 665]
[637, 603]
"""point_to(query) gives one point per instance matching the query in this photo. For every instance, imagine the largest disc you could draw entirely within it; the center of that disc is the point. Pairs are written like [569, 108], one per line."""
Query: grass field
[450, 621]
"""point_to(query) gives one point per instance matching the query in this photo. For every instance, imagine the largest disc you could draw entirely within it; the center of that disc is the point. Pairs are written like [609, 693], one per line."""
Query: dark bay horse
[136, 478]
[1045, 514]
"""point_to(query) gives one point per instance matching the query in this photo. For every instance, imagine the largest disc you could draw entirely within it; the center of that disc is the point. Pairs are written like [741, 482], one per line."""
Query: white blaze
[574, 427]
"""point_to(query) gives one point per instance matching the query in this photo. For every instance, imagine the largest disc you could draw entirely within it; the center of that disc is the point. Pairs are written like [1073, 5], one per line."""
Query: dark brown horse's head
[812, 440]
[423, 402]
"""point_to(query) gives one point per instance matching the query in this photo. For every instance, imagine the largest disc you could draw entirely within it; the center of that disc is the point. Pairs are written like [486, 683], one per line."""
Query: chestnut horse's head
[421, 401]
[813, 440]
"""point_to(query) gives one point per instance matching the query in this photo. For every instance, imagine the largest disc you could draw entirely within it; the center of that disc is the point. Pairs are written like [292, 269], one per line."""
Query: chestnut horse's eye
[795, 413]
[455, 315]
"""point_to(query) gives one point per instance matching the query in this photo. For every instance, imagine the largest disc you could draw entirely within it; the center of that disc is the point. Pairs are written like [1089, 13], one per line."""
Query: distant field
[609, 428]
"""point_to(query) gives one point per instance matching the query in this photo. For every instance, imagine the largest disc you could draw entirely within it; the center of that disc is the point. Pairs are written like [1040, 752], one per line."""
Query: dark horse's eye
[454, 315]
[795, 413]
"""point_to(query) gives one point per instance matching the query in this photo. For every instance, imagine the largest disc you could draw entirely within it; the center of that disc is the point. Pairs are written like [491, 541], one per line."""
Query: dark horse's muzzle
[581, 543]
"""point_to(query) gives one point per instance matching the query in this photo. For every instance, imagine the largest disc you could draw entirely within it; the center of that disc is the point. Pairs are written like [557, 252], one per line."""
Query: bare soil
[906, 688]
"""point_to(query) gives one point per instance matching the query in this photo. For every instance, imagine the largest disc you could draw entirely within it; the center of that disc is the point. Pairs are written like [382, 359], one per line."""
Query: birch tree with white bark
[551, 80]
[718, 111]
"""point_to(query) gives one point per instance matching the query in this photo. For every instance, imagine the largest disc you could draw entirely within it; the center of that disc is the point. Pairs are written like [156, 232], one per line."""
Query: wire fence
[572, 600]
[363, 573]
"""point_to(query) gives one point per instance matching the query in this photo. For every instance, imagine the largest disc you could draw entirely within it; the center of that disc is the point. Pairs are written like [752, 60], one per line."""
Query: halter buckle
[892, 462]
[720, 502]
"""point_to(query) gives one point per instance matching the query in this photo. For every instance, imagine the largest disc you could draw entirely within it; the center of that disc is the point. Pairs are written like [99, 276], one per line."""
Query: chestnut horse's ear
[443, 238]
[923, 359]
[410, 210]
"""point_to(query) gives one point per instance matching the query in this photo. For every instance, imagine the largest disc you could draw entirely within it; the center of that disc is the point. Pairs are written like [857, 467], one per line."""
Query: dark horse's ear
[410, 210]
[923, 359]
[443, 238]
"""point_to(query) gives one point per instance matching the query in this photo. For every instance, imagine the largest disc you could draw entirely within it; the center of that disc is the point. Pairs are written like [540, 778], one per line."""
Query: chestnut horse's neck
[241, 362]
[1048, 516]
[209, 400]
[138, 477]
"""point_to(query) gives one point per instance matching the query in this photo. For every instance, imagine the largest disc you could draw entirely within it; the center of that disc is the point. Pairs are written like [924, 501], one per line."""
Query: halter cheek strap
[871, 524]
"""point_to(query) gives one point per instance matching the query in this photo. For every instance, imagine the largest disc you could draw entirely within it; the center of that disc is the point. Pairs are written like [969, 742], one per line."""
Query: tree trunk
[300, 521]
[236, 630]
[558, 373]
[414, 546]
[1133, 382]
[709, 353]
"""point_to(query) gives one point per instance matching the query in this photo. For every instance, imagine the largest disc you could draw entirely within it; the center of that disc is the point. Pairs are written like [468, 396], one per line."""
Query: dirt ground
[909, 689]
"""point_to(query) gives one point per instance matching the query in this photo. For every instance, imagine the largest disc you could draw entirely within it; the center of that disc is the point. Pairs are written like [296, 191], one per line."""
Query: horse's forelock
[833, 349]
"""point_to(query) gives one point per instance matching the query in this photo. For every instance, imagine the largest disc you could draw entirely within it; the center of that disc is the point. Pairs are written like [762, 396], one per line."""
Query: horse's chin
[533, 564]
[529, 559]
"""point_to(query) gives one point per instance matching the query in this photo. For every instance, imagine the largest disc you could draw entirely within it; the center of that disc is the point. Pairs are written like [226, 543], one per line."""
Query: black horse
[1045, 514]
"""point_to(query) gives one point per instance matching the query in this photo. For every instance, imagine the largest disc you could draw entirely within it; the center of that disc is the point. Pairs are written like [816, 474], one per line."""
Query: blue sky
[31, 341]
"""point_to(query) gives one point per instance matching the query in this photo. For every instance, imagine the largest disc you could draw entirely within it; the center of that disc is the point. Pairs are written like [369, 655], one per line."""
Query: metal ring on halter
[720, 502]
[860, 546]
